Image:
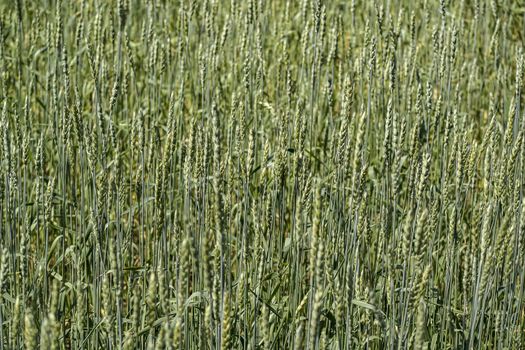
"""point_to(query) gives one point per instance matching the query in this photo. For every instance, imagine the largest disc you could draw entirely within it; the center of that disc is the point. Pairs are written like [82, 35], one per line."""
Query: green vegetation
[310, 174]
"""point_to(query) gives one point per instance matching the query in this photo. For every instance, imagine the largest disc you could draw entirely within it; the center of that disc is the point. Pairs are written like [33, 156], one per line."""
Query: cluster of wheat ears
[310, 174]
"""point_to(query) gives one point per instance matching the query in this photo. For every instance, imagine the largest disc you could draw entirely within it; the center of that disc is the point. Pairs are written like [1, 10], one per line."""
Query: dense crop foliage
[262, 174]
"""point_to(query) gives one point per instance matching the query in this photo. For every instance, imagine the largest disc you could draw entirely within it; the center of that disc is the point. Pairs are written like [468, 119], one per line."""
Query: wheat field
[301, 174]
